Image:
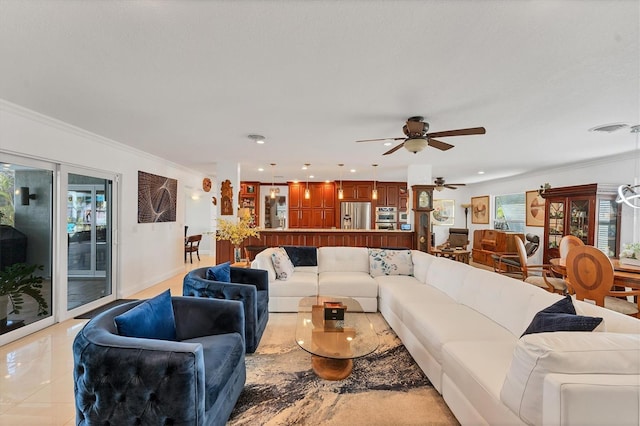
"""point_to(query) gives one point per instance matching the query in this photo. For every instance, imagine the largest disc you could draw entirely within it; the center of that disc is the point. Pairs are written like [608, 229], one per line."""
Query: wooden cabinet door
[382, 196]
[363, 191]
[349, 190]
[392, 195]
[329, 220]
[329, 196]
[306, 218]
[295, 196]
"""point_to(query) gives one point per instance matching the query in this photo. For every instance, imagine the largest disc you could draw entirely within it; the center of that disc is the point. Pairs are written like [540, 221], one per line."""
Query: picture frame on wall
[443, 212]
[534, 209]
[480, 210]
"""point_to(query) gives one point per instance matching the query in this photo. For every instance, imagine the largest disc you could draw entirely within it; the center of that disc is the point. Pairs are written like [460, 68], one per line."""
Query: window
[510, 212]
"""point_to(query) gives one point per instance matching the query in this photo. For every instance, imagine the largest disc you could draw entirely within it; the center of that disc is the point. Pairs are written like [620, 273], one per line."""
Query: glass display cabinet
[588, 212]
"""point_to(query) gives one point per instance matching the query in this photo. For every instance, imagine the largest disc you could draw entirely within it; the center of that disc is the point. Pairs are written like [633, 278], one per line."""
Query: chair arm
[197, 317]
[256, 277]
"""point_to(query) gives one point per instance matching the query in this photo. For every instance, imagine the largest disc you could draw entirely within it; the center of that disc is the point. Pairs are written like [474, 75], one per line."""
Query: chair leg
[191, 256]
[198, 253]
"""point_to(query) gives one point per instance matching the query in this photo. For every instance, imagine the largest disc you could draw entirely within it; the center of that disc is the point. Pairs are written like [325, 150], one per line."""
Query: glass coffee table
[336, 341]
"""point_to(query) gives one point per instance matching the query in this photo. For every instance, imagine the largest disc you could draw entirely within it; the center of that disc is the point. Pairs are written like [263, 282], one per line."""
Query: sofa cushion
[448, 276]
[537, 355]
[263, 261]
[151, 319]
[421, 263]
[302, 255]
[352, 284]
[390, 262]
[299, 285]
[343, 259]
[223, 358]
[561, 316]
[220, 273]
[282, 264]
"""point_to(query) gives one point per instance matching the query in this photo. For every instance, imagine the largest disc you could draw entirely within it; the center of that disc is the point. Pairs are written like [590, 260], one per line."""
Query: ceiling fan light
[415, 145]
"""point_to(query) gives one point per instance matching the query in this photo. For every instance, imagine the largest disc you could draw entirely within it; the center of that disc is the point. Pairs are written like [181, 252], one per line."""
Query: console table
[489, 241]
[457, 255]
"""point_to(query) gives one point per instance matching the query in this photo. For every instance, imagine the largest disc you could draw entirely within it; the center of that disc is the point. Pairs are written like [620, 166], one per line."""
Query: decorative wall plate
[206, 184]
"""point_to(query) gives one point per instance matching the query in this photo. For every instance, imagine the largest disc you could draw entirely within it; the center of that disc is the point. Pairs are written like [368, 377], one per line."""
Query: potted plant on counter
[16, 281]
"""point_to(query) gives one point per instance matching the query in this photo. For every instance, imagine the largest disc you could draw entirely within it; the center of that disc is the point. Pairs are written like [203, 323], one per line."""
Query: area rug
[385, 388]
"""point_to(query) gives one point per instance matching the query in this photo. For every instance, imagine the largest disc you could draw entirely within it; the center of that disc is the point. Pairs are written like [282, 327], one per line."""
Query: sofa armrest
[571, 399]
[257, 277]
[197, 317]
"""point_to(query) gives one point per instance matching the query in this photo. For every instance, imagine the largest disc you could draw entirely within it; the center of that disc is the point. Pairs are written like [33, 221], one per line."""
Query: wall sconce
[25, 197]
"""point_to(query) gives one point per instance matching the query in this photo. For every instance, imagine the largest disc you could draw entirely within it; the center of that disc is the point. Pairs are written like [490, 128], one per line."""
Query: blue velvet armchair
[250, 286]
[195, 380]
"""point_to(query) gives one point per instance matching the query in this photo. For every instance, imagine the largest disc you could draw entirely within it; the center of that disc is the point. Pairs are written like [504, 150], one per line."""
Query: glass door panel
[556, 223]
[88, 239]
[579, 221]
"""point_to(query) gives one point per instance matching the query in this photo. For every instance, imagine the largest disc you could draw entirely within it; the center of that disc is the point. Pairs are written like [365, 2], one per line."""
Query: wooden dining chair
[566, 243]
[538, 275]
[191, 245]
[590, 275]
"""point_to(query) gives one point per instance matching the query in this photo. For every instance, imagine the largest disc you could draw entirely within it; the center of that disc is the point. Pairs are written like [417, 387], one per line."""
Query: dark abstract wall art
[156, 198]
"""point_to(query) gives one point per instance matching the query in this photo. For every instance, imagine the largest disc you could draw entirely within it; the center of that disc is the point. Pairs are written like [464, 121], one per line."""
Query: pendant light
[374, 193]
[340, 190]
[272, 193]
[630, 194]
[307, 192]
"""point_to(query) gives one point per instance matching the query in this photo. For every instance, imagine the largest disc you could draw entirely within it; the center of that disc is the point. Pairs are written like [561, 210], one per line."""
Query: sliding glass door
[89, 249]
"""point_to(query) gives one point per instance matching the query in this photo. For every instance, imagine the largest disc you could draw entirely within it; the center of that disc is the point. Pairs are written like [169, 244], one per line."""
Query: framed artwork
[443, 212]
[480, 210]
[156, 198]
[535, 209]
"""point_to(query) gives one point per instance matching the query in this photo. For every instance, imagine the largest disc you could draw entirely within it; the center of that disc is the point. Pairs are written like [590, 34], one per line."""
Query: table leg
[330, 368]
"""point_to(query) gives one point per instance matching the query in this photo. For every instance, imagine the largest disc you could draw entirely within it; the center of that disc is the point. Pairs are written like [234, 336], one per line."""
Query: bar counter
[320, 238]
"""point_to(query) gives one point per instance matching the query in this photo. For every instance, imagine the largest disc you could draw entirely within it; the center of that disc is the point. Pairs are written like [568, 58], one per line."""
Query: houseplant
[236, 233]
[631, 254]
[16, 281]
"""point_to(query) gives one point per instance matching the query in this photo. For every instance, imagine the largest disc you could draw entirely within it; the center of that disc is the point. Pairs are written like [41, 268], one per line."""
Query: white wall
[149, 253]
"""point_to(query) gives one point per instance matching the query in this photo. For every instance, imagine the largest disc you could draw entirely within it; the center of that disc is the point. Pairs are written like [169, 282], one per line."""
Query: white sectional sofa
[462, 325]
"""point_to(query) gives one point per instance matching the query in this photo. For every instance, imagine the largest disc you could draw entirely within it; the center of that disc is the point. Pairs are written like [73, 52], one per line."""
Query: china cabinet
[588, 212]
[248, 199]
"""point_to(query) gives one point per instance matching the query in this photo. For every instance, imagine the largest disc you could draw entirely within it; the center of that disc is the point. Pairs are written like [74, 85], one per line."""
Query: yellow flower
[236, 232]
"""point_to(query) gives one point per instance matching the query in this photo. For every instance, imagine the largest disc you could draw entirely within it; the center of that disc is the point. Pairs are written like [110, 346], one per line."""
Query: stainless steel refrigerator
[355, 215]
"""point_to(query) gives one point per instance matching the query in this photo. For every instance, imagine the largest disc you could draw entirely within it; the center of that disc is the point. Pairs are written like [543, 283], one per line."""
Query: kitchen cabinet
[319, 211]
[356, 190]
[248, 199]
[388, 193]
[588, 212]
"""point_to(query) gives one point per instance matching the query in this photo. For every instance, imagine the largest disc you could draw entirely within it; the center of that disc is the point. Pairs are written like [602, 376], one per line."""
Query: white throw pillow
[390, 262]
[282, 264]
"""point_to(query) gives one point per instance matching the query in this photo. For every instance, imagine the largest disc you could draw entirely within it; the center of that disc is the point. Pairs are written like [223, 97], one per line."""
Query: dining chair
[567, 242]
[538, 275]
[590, 275]
[191, 245]
[509, 262]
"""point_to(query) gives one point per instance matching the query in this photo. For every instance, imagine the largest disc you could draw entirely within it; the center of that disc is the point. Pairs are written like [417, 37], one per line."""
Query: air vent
[609, 128]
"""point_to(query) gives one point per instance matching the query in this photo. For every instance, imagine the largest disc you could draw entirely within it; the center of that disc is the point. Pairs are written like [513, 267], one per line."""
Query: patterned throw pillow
[390, 262]
[282, 264]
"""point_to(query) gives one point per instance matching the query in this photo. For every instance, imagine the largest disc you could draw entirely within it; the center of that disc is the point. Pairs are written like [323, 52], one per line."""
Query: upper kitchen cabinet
[356, 190]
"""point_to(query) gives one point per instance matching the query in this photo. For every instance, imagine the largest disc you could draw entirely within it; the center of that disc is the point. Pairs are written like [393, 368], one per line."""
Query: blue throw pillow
[151, 319]
[220, 273]
[561, 316]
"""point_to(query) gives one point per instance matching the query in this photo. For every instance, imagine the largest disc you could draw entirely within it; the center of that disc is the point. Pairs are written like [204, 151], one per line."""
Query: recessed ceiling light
[260, 169]
[387, 144]
[352, 170]
[259, 139]
[304, 167]
[311, 176]
[481, 172]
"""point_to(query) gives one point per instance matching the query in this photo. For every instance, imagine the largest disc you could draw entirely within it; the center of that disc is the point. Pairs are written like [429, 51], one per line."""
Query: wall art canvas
[156, 198]
[480, 210]
[443, 212]
[535, 209]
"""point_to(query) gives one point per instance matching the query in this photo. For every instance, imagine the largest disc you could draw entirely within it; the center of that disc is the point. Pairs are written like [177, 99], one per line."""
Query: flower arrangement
[236, 232]
[631, 254]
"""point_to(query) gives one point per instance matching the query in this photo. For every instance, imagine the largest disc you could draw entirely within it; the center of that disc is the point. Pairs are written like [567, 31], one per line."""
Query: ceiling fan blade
[443, 146]
[459, 132]
[450, 186]
[394, 149]
[382, 139]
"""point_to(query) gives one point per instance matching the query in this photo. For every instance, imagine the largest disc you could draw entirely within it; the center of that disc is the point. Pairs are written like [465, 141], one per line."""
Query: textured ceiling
[190, 80]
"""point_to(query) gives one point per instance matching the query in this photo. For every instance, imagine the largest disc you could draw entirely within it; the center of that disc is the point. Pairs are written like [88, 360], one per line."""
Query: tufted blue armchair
[196, 380]
[250, 286]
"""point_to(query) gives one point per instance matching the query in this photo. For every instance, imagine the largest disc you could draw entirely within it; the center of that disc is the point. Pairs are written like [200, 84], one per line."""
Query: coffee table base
[331, 369]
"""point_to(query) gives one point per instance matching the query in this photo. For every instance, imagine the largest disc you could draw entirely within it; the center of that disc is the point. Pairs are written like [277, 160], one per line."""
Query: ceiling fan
[417, 137]
[440, 184]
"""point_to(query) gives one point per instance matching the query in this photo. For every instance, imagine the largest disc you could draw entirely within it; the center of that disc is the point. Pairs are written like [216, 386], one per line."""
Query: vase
[629, 261]
[237, 254]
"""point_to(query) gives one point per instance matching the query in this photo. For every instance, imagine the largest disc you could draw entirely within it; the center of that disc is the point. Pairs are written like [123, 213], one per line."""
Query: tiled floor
[36, 386]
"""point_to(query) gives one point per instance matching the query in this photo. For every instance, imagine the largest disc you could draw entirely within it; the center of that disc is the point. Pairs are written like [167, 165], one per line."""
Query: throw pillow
[282, 264]
[390, 262]
[151, 319]
[220, 273]
[302, 255]
[561, 316]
